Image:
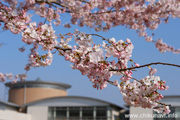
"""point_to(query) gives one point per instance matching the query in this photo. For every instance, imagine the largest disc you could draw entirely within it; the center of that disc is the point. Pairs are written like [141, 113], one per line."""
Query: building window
[101, 113]
[78, 113]
[74, 113]
[87, 113]
[61, 113]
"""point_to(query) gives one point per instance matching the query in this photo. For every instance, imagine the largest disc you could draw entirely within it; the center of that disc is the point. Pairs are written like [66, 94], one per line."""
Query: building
[42, 100]
[29, 91]
[138, 113]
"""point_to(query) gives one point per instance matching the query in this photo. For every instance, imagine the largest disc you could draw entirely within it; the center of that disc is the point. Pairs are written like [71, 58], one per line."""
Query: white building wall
[138, 113]
[13, 115]
[38, 112]
[114, 113]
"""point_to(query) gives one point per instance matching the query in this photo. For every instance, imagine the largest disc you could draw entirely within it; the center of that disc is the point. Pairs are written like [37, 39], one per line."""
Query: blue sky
[13, 61]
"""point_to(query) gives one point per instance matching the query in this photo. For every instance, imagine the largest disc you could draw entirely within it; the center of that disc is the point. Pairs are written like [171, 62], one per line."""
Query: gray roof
[9, 103]
[70, 97]
[171, 96]
[38, 83]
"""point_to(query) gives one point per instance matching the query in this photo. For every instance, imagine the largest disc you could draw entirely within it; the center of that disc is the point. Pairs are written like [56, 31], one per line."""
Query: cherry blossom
[152, 71]
[12, 77]
[144, 92]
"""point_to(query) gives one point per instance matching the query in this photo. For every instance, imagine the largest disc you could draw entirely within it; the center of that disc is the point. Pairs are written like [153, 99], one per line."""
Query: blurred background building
[42, 100]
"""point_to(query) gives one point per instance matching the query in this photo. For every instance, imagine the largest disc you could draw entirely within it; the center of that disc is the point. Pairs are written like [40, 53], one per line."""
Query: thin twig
[99, 36]
[146, 65]
[112, 83]
[105, 39]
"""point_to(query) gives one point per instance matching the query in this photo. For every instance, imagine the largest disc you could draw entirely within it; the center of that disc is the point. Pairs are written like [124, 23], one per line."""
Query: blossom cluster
[101, 15]
[91, 60]
[12, 77]
[42, 34]
[49, 13]
[137, 14]
[15, 21]
[144, 92]
[36, 60]
[163, 47]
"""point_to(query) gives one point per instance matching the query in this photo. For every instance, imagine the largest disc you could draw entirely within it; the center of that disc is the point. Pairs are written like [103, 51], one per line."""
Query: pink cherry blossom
[152, 71]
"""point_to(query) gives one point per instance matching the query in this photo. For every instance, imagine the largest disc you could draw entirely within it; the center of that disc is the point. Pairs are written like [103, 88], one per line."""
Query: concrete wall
[13, 115]
[138, 113]
[38, 112]
[114, 113]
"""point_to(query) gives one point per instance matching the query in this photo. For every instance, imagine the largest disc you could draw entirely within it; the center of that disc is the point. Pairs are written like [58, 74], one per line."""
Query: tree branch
[64, 49]
[50, 2]
[146, 65]
[99, 36]
[110, 82]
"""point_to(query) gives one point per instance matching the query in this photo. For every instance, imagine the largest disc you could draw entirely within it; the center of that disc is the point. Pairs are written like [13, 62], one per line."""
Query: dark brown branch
[146, 65]
[44, 1]
[109, 11]
[64, 49]
[60, 4]
[110, 82]
[50, 2]
[67, 7]
[84, 1]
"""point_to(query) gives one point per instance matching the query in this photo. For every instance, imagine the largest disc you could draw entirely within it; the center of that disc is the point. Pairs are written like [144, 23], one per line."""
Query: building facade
[42, 100]
[73, 108]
